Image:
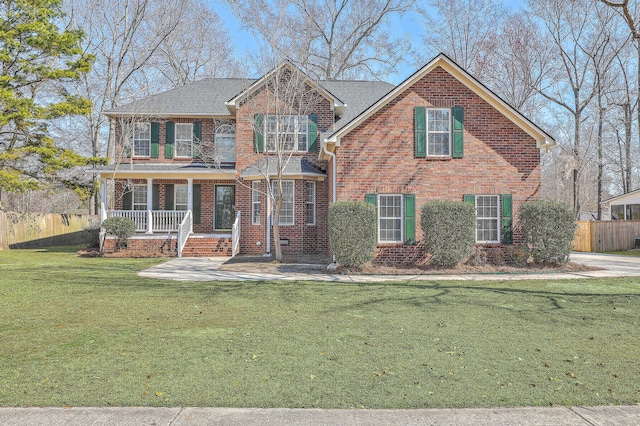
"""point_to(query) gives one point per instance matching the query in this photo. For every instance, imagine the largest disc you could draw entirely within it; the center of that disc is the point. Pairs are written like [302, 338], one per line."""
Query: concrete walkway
[142, 416]
[206, 269]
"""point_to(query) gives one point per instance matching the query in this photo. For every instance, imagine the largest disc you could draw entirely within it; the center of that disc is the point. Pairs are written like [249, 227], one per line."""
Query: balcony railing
[151, 221]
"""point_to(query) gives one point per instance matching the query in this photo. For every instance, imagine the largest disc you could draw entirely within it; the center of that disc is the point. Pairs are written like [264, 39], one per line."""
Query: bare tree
[466, 30]
[630, 15]
[576, 38]
[333, 38]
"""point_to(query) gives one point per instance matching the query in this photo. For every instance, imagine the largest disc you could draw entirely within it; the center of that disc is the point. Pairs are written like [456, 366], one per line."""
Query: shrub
[548, 228]
[352, 231]
[448, 229]
[121, 227]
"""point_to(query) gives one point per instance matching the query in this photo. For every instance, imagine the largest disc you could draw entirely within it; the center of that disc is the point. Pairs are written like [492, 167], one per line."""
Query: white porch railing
[151, 221]
[184, 230]
[235, 236]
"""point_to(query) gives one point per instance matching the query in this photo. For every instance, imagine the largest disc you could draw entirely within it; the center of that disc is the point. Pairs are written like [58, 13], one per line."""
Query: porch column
[190, 200]
[149, 206]
[103, 200]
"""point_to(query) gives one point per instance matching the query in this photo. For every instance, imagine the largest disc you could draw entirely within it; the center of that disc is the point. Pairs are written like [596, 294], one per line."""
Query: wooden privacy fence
[34, 230]
[611, 235]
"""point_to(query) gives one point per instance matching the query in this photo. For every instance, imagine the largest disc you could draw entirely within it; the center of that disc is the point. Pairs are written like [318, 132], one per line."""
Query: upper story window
[225, 144]
[141, 142]
[184, 140]
[289, 131]
[438, 132]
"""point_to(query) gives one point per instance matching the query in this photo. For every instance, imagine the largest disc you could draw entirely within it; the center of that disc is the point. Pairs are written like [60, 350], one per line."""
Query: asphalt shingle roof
[207, 97]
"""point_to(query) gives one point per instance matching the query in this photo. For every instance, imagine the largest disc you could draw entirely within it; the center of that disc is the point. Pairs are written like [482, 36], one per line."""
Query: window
[487, 219]
[225, 144]
[181, 197]
[286, 211]
[438, 132]
[184, 140]
[311, 203]
[390, 218]
[625, 212]
[255, 203]
[289, 130]
[139, 197]
[141, 139]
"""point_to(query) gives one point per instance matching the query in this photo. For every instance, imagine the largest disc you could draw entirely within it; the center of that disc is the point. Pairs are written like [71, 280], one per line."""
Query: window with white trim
[287, 209]
[139, 199]
[311, 203]
[181, 197]
[225, 147]
[487, 218]
[390, 218]
[438, 132]
[290, 131]
[141, 139]
[184, 140]
[255, 202]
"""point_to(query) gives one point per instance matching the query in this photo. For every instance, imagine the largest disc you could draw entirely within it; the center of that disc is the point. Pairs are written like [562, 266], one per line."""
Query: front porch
[170, 233]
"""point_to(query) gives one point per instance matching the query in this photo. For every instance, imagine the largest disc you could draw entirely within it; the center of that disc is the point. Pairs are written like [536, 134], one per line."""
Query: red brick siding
[378, 156]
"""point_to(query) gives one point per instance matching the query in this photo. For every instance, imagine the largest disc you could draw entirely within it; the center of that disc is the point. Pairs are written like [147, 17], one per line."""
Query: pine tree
[37, 57]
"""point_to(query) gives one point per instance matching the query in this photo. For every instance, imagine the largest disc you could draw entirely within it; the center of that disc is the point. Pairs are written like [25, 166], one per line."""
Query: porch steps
[205, 246]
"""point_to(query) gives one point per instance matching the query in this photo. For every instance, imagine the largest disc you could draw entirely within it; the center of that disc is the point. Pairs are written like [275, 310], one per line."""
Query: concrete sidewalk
[206, 269]
[548, 416]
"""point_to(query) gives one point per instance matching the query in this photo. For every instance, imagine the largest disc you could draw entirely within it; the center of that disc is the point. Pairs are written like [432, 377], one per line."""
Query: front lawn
[89, 332]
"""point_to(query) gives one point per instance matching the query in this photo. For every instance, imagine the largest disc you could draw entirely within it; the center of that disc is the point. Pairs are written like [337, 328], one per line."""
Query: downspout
[333, 180]
[268, 230]
[333, 162]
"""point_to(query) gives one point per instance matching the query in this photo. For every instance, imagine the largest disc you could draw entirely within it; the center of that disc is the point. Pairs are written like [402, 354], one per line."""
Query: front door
[224, 209]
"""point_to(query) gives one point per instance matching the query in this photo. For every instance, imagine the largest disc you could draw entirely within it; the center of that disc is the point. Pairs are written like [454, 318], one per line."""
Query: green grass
[633, 253]
[89, 332]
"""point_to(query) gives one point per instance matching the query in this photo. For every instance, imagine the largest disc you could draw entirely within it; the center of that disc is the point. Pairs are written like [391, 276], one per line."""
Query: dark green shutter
[420, 128]
[197, 138]
[507, 219]
[312, 133]
[127, 200]
[170, 131]
[126, 150]
[371, 198]
[470, 198]
[457, 114]
[155, 197]
[168, 197]
[258, 133]
[409, 218]
[155, 140]
[197, 196]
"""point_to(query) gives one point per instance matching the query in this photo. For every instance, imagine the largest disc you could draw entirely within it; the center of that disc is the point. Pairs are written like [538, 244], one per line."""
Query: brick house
[199, 157]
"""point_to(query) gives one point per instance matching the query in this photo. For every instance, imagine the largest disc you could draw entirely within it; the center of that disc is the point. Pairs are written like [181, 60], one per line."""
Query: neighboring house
[205, 149]
[622, 207]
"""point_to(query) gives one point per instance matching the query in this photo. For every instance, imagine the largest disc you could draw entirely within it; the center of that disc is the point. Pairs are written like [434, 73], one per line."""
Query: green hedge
[121, 227]
[353, 232]
[448, 229]
[548, 228]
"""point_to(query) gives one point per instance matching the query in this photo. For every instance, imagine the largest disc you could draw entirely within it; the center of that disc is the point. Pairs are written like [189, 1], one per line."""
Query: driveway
[611, 264]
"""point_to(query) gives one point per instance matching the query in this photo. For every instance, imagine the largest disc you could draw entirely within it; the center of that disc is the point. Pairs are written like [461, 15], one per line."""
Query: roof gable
[336, 104]
[543, 139]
